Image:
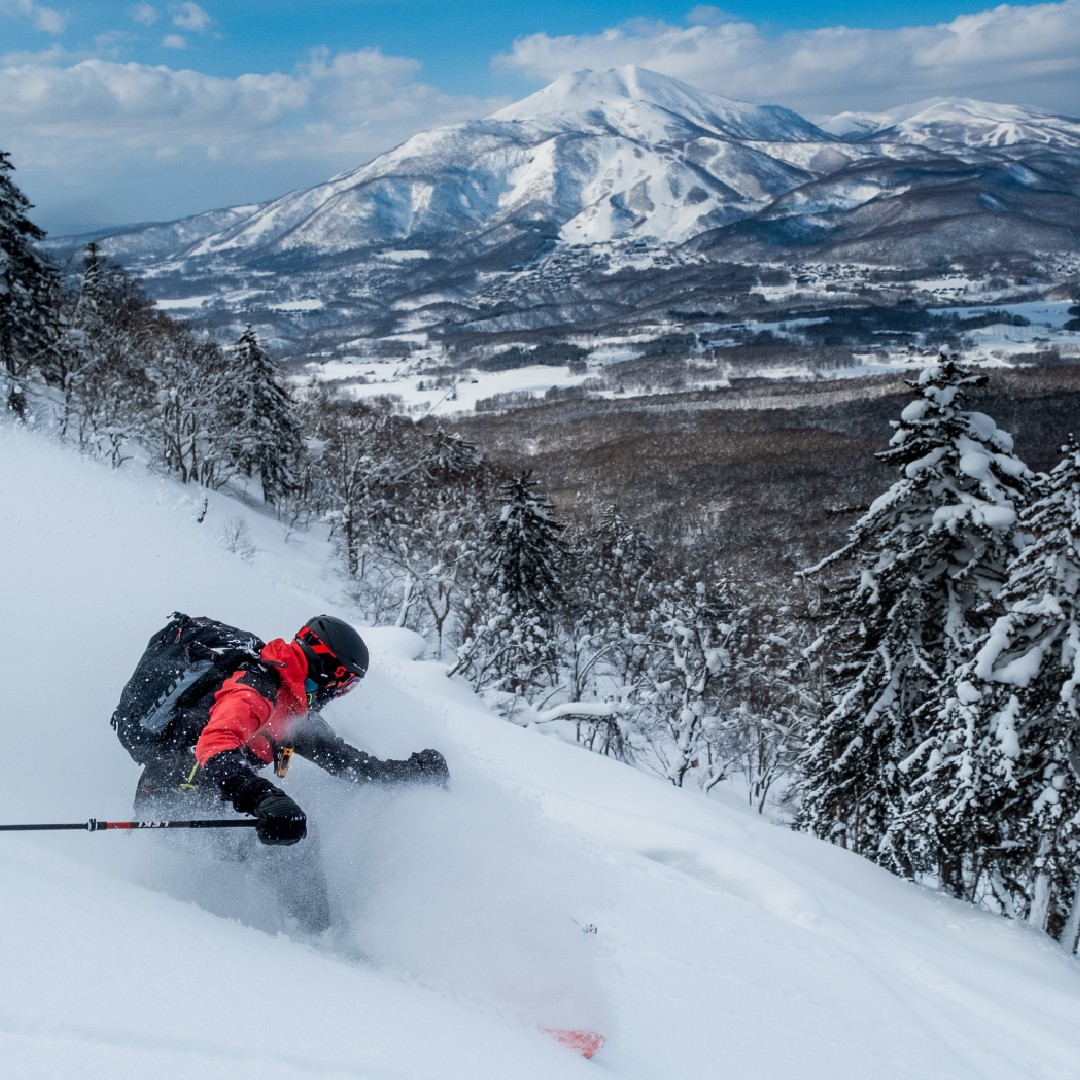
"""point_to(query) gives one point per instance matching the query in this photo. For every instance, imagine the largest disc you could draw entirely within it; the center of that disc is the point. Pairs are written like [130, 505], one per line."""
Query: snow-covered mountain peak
[855, 124]
[579, 93]
[960, 121]
[597, 155]
[642, 103]
[626, 156]
[985, 123]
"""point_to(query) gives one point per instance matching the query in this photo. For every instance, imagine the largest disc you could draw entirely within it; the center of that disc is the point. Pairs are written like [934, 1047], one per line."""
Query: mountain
[594, 200]
[723, 943]
[947, 123]
[913, 212]
[651, 108]
[162, 240]
[593, 157]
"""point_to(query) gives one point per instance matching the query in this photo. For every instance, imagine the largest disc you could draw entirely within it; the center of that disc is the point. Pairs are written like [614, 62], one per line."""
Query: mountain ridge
[621, 161]
[627, 103]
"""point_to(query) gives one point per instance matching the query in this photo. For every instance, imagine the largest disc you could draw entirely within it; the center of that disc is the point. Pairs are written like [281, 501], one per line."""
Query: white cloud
[51, 21]
[174, 41]
[249, 137]
[44, 18]
[1028, 55]
[113, 42]
[145, 14]
[96, 97]
[190, 17]
[54, 54]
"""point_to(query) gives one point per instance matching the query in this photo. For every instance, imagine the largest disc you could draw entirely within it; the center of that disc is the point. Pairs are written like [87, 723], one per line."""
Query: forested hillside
[884, 653]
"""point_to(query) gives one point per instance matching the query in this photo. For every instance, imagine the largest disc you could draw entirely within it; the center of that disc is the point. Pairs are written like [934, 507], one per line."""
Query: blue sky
[122, 110]
[453, 39]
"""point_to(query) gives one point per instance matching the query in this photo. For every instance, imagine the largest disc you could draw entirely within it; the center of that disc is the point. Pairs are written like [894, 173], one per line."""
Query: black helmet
[336, 654]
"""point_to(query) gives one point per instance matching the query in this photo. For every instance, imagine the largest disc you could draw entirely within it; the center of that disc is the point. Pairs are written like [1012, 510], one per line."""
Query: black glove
[428, 767]
[279, 820]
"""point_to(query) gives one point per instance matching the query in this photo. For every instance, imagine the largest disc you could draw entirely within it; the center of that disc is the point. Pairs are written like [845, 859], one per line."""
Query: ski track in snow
[726, 946]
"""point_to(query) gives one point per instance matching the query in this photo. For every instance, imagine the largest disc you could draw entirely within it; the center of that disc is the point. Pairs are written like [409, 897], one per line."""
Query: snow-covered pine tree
[513, 647]
[449, 456]
[188, 425]
[1010, 774]
[262, 431]
[623, 553]
[448, 545]
[427, 528]
[29, 289]
[341, 470]
[79, 349]
[757, 731]
[525, 548]
[916, 577]
[941, 832]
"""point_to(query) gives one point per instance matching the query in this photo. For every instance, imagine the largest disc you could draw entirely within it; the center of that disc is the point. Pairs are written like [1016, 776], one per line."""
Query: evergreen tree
[29, 288]
[190, 379]
[450, 457]
[1008, 778]
[692, 628]
[428, 535]
[920, 568]
[513, 647]
[525, 549]
[79, 349]
[757, 730]
[263, 432]
[343, 470]
[622, 554]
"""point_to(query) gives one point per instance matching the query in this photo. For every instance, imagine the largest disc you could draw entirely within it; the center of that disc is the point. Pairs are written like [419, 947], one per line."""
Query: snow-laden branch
[591, 709]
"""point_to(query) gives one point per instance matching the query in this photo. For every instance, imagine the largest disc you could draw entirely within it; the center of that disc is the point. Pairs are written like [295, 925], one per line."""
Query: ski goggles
[333, 688]
[343, 685]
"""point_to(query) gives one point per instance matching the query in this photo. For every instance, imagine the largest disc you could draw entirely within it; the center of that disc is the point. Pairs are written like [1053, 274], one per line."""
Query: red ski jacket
[265, 708]
[258, 710]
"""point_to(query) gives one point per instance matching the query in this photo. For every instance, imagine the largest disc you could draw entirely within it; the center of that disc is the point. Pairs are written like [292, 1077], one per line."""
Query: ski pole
[93, 825]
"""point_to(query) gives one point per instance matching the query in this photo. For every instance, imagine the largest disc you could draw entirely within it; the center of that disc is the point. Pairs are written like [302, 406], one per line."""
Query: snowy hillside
[949, 122]
[725, 946]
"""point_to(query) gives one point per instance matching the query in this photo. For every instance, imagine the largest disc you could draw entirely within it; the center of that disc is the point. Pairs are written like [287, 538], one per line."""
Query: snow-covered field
[422, 394]
[725, 946]
[457, 392]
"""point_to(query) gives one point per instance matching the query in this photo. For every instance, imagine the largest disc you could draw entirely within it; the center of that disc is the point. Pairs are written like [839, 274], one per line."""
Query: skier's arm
[239, 710]
[318, 742]
[278, 819]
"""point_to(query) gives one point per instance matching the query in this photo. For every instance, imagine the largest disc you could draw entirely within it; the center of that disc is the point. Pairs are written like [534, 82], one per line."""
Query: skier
[260, 715]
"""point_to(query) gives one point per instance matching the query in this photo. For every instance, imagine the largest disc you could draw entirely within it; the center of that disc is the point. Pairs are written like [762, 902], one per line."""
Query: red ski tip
[586, 1043]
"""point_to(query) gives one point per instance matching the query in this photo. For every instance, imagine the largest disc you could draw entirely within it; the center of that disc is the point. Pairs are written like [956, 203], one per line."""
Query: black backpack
[167, 700]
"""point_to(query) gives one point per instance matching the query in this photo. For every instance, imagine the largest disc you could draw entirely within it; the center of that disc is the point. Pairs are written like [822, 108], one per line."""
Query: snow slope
[726, 946]
[940, 122]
